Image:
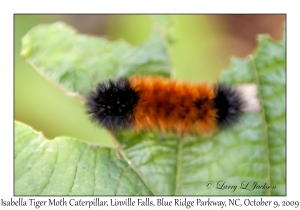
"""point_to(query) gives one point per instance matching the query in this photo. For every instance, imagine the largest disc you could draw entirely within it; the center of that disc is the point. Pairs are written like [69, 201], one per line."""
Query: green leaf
[251, 152]
[266, 68]
[65, 166]
[79, 62]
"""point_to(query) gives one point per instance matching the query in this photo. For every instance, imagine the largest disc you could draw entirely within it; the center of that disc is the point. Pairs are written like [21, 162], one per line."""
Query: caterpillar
[145, 103]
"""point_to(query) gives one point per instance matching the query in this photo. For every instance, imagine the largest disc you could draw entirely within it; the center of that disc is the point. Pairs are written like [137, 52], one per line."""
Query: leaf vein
[265, 127]
[54, 166]
[75, 174]
[179, 165]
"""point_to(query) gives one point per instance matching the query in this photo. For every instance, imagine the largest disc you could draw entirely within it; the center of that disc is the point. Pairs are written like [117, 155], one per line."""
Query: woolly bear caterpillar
[155, 103]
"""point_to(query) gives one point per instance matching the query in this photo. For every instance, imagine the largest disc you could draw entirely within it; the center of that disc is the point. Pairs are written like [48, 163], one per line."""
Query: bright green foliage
[78, 62]
[252, 151]
[66, 166]
[266, 68]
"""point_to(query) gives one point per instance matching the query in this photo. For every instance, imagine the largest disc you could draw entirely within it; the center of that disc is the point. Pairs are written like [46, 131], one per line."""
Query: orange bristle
[173, 106]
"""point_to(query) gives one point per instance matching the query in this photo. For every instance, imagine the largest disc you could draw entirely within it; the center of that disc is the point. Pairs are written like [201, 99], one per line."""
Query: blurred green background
[203, 47]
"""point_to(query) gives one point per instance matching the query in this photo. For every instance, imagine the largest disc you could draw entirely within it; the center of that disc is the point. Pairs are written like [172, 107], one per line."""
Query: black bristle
[112, 104]
[228, 103]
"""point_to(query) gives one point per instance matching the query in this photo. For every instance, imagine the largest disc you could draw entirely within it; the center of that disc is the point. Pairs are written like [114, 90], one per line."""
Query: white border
[8, 8]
